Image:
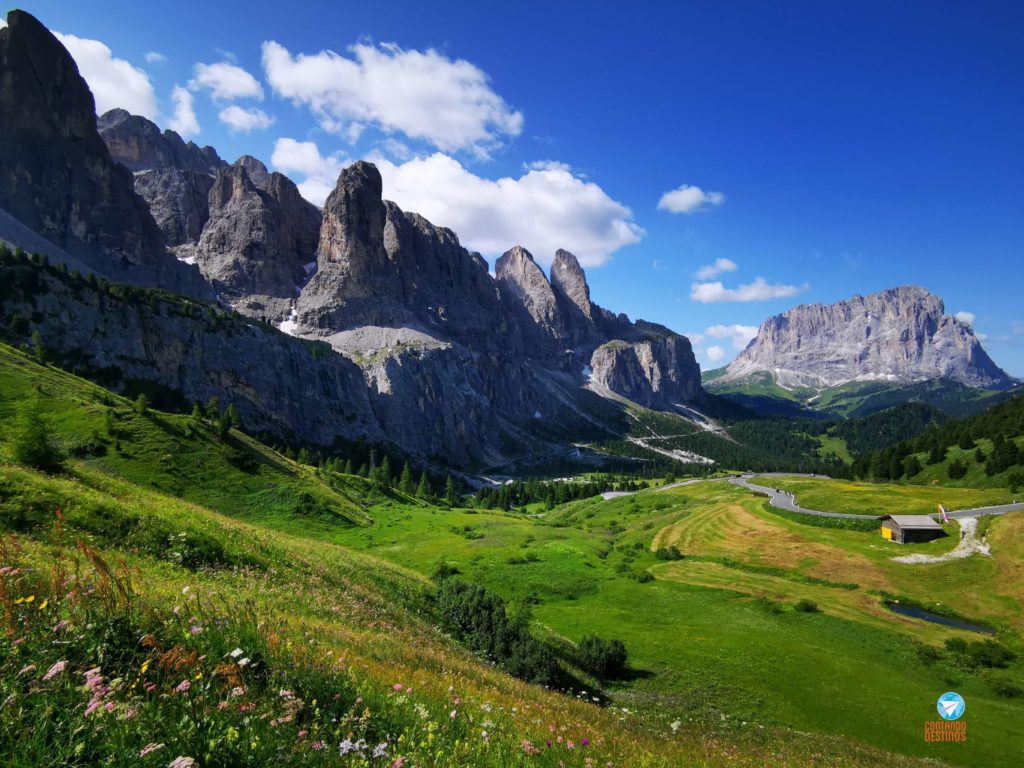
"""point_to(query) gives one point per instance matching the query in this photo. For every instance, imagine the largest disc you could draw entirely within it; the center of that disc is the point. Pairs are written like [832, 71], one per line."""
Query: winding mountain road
[786, 501]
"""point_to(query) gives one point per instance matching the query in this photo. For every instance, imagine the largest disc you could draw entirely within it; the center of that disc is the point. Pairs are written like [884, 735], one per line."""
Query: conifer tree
[405, 482]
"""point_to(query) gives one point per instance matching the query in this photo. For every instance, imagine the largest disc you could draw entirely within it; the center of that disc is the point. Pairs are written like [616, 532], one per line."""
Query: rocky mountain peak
[899, 335]
[568, 279]
[524, 283]
[255, 169]
[58, 177]
[138, 144]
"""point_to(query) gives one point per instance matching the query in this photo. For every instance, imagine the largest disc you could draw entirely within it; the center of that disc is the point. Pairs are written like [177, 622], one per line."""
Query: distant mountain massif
[361, 321]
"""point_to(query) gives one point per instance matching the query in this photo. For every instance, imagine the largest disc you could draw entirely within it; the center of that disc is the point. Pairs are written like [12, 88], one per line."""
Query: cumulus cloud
[715, 354]
[184, 120]
[689, 199]
[967, 318]
[113, 82]
[422, 94]
[155, 57]
[714, 270]
[542, 210]
[225, 82]
[303, 158]
[759, 290]
[739, 335]
[241, 120]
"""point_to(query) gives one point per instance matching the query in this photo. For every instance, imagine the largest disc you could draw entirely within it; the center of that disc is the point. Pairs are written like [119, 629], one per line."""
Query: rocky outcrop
[178, 201]
[137, 143]
[659, 371]
[380, 266]
[56, 174]
[259, 237]
[901, 335]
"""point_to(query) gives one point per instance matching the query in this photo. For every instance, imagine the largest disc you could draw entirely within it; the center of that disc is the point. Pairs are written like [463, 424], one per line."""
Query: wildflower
[26, 670]
[398, 762]
[195, 629]
[675, 726]
[453, 714]
[584, 741]
[42, 605]
[237, 691]
[183, 686]
[381, 750]
[150, 687]
[131, 713]
[303, 734]
[243, 662]
[94, 704]
[144, 667]
[396, 687]
[182, 762]
[110, 706]
[317, 745]
[286, 694]
[223, 705]
[185, 589]
[150, 749]
[570, 745]
[60, 625]
[528, 747]
[236, 653]
[55, 670]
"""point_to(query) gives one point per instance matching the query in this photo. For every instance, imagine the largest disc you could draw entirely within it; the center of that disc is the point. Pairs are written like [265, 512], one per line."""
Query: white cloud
[241, 120]
[740, 335]
[715, 354]
[225, 82]
[155, 57]
[689, 199]
[967, 318]
[759, 290]
[113, 82]
[422, 94]
[303, 158]
[184, 120]
[714, 270]
[542, 210]
[549, 165]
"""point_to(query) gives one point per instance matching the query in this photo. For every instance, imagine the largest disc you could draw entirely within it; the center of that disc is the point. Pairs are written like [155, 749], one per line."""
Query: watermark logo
[951, 706]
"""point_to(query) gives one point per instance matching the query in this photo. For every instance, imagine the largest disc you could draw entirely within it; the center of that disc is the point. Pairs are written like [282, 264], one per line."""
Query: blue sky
[816, 150]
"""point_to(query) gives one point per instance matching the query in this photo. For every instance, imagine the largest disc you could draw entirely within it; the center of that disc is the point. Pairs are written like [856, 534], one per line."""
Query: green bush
[603, 658]
[33, 444]
[806, 606]
[670, 552]
[477, 617]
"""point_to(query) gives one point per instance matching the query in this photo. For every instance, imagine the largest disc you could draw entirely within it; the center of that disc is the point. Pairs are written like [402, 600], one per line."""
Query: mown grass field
[334, 594]
[883, 498]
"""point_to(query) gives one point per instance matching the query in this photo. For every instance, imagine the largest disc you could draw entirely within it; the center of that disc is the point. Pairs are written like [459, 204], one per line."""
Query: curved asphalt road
[787, 501]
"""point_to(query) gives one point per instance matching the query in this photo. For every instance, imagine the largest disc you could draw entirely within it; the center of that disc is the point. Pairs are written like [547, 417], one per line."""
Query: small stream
[920, 613]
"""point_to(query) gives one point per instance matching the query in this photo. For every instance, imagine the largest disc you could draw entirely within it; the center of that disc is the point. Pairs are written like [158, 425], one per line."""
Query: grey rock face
[658, 371]
[900, 335]
[279, 384]
[259, 235]
[137, 143]
[56, 175]
[569, 281]
[380, 266]
[178, 201]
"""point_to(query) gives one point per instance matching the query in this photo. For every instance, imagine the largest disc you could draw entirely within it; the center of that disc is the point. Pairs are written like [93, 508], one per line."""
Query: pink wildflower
[93, 706]
[181, 687]
[60, 625]
[182, 762]
[396, 687]
[150, 749]
[303, 734]
[55, 670]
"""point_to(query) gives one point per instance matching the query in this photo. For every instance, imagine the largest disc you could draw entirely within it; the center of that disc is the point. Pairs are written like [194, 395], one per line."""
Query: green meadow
[176, 545]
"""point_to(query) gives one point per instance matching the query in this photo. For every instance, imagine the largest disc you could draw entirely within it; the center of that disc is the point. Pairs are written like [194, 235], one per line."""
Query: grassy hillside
[168, 556]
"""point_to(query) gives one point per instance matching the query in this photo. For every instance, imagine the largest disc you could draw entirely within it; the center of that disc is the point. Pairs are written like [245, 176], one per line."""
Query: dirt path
[969, 545]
